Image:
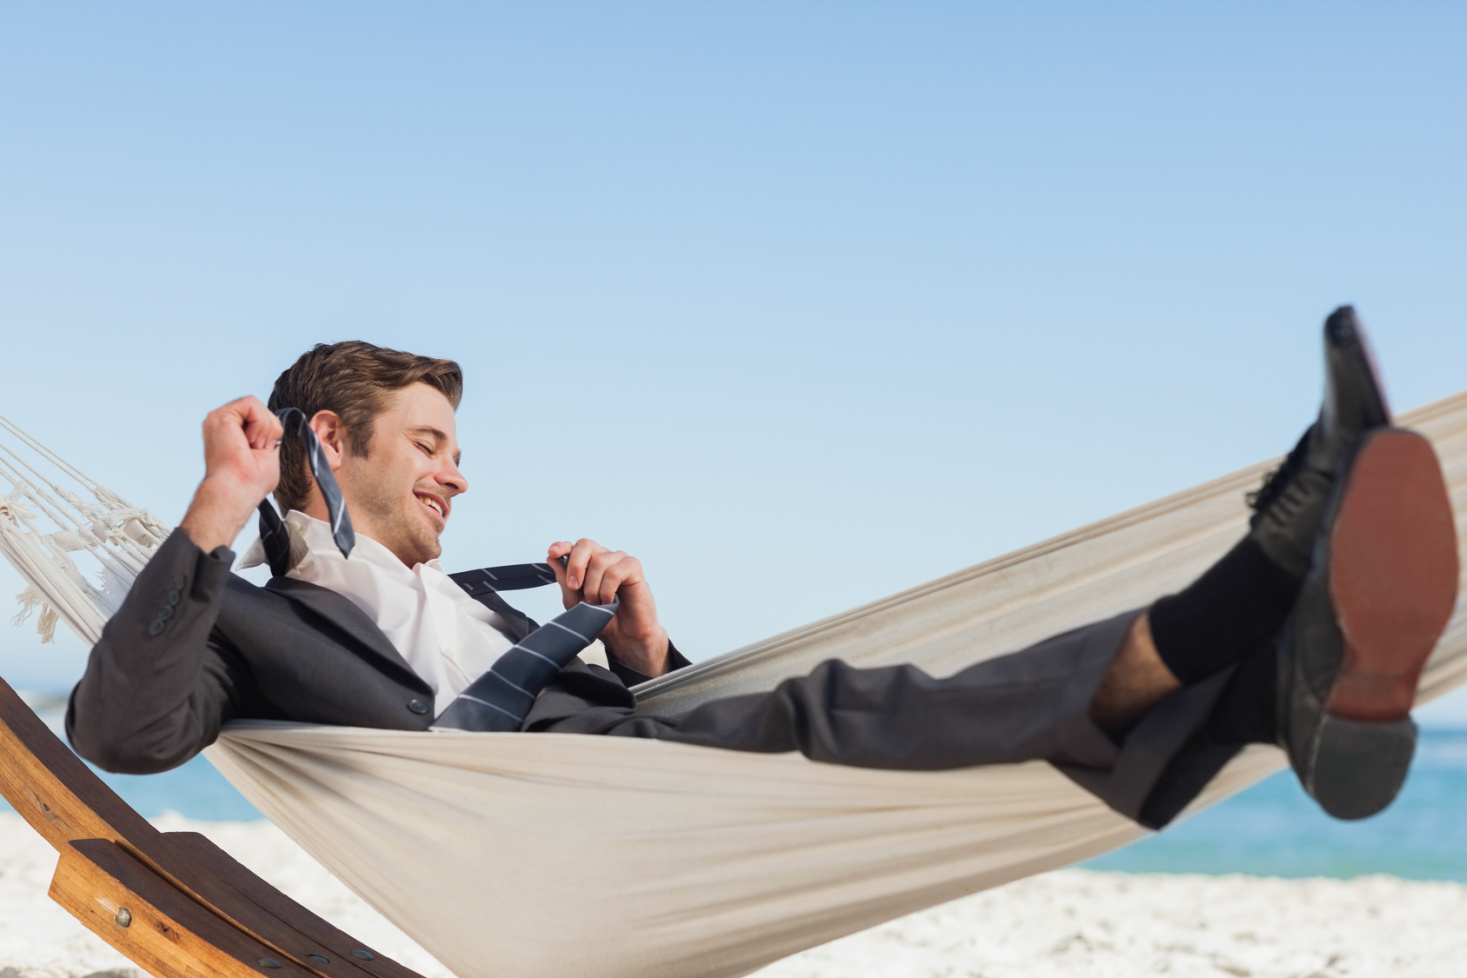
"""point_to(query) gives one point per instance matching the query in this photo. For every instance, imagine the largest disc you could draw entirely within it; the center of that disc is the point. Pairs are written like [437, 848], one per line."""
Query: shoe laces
[1276, 481]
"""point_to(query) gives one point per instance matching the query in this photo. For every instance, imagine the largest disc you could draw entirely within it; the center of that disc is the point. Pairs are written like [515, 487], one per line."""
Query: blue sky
[803, 303]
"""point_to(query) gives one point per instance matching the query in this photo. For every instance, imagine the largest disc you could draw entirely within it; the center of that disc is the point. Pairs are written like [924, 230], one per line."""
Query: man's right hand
[241, 468]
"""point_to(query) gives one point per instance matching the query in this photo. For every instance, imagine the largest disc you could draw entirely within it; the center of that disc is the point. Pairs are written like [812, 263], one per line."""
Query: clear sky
[802, 303]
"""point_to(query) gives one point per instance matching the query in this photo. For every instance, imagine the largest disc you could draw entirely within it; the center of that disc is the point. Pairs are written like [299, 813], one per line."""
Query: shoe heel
[1360, 765]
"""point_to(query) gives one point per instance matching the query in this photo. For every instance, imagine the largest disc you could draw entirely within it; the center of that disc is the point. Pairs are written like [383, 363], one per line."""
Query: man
[1311, 632]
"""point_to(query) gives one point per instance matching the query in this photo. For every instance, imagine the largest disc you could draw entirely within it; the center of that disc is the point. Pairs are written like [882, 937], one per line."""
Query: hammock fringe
[533, 855]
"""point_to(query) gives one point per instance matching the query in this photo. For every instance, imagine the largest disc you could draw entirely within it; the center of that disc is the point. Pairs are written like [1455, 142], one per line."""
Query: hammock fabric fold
[523, 855]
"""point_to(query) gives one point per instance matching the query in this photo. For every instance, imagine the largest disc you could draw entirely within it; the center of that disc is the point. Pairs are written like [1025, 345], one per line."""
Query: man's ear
[331, 435]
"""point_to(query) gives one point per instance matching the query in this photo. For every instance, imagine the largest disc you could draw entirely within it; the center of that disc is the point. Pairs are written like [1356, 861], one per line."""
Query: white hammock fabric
[533, 854]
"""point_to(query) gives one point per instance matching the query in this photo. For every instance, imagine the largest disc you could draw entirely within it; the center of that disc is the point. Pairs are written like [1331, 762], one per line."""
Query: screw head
[124, 917]
[270, 963]
[317, 959]
[364, 955]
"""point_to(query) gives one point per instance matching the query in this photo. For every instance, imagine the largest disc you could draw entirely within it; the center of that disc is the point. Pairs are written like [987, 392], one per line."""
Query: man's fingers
[580, 559]
[591, 572]
[248, 415]
[569, 596]
[595, 587]
[261, 427]
[625, 570]
[591, 581]
[263, 433]
[553, 555]
[607, 586]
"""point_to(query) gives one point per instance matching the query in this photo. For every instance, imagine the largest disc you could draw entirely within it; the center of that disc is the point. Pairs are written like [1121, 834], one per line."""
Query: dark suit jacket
[194, 646]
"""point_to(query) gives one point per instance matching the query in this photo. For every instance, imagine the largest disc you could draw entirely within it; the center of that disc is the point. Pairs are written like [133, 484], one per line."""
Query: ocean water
[1275, 829]
[1272, 829]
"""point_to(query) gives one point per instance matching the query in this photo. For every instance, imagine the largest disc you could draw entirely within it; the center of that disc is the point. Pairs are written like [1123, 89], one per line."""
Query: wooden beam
[262, 894]
[152, 922]
[65, 802]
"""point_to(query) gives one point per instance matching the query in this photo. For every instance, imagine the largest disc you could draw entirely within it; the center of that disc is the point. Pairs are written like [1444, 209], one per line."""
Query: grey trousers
[1029, 705]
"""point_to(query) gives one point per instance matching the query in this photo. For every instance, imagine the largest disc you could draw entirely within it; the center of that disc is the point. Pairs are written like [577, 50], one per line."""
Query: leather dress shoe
[1381, 588]
[1290, 507]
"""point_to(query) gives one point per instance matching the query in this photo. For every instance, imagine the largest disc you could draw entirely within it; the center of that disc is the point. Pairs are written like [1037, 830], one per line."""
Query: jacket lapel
[519, 623]
[350, 619]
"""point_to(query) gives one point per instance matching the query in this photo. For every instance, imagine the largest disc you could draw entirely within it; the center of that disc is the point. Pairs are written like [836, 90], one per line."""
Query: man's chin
[428, 545]
[417, 545]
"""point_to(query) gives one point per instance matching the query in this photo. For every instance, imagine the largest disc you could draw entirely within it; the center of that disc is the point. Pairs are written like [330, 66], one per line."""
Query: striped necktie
[273, 534]
[500, 699]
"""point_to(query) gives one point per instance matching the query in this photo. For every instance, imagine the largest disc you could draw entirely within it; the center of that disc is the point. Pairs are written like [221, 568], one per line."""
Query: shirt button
[418, 707]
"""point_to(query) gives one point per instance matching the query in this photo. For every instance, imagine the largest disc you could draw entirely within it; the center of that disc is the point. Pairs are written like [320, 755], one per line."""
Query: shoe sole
[1393, 574]
[1393, 578]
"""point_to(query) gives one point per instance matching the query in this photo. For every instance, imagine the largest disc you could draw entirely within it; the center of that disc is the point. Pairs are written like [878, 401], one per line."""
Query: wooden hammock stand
[173, 902]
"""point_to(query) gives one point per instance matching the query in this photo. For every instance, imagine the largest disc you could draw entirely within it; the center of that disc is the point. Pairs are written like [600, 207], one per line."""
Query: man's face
[400, 493]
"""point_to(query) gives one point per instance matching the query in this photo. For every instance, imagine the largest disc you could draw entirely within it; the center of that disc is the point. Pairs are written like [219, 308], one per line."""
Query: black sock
[1246, 712]
[1241, 602]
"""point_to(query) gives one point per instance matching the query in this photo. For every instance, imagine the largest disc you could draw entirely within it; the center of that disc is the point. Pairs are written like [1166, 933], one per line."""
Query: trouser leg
[1029, 705]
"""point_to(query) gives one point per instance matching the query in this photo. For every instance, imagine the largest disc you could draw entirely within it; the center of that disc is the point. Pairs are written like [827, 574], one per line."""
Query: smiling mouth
[434, 503]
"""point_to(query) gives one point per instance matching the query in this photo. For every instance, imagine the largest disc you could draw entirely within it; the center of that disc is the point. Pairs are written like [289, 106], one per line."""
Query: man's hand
[597, 575]
[241, 468]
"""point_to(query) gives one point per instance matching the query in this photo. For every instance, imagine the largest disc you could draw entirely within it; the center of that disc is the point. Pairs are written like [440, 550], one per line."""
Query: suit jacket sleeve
[631, 677]
[161, 681]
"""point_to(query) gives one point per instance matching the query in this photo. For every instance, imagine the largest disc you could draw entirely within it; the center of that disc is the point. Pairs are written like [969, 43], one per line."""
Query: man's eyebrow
[439, 437]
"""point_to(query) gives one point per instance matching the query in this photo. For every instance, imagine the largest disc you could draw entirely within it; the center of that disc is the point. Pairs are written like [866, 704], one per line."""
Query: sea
[1272, 829]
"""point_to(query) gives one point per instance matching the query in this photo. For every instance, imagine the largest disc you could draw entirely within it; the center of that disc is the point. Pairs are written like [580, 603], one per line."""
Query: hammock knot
[137, 525]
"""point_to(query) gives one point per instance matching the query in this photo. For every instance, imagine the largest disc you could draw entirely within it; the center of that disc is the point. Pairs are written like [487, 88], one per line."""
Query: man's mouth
[436, 504]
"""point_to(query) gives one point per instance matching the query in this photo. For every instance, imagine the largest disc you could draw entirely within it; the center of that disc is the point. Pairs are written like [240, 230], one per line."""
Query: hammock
[534, 854]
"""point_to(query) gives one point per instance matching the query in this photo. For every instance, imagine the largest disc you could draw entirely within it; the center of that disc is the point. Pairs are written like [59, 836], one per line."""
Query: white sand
[1066, 924]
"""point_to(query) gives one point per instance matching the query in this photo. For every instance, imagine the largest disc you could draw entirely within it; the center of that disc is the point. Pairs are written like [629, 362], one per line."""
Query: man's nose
[454, 479]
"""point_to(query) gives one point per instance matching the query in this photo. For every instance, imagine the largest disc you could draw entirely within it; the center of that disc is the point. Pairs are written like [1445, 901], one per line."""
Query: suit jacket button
[173, 597]
[418, 707]
[178, 582]
[165, 613]
[156, 628]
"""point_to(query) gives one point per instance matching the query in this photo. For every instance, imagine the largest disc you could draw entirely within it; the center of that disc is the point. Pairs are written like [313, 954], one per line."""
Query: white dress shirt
[447, 637]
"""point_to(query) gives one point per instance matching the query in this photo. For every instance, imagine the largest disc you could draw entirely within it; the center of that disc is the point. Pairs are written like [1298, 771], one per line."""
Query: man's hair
[352, 379]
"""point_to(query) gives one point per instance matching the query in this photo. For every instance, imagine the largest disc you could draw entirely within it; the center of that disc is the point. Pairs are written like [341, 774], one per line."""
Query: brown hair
[352, 379]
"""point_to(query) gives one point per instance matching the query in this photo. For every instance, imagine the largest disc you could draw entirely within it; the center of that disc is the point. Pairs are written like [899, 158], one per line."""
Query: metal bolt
[317, 959]
[124, 917]
[270, 963]
[364, 955]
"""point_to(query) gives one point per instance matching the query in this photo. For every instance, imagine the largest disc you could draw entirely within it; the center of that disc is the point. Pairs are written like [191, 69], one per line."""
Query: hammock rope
[44, 521]
[534, 854]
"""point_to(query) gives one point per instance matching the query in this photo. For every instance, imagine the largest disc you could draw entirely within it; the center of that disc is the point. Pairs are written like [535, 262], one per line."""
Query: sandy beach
[1066, 924]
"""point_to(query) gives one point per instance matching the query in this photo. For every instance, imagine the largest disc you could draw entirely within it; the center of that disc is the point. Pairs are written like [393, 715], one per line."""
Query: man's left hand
[597, 575]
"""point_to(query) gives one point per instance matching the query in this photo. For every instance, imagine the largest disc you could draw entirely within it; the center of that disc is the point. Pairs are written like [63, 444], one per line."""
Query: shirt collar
[312, 537]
